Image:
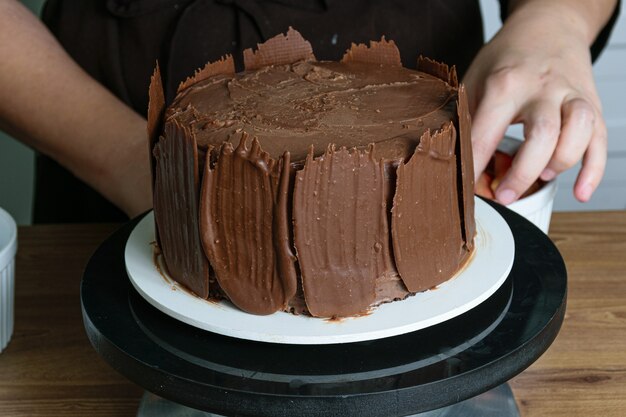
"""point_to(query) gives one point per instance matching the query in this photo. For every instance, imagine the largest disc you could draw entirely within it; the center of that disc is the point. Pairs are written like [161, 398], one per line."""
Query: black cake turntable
[456, 368]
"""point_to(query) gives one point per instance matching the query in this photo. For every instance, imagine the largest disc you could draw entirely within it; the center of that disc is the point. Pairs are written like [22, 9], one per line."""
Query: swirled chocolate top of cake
[291, 107]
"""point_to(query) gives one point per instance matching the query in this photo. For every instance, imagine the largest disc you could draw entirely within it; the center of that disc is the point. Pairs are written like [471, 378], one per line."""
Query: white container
[8, 248]
[536, 207]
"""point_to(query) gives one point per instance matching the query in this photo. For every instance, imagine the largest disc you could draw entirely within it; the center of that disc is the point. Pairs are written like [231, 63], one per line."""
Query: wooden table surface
[50, 369]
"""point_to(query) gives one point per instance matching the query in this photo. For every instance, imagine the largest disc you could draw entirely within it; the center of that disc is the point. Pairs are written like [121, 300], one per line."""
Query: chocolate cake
[324, 188]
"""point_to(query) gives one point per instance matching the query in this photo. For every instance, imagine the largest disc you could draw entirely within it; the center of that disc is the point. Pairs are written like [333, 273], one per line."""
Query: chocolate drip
[439, 70]
[465, 170]
[224, 66]
[244, 227]
[383, 52]
[176, 208]
[279, 50]
[340, 230]
[427, 241]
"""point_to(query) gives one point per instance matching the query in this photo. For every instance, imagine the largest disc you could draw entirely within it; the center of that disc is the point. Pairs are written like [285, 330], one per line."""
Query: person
[77, 91]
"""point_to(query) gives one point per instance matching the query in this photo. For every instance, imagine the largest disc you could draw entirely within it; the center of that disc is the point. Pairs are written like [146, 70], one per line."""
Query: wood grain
[50, 369]
[584, 371]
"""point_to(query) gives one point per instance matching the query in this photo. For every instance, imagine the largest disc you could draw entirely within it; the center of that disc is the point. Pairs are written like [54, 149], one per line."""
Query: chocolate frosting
[281, 49]
[465, 158]
[156, 106]
[465, 169]
[383, 53]
[226, 65]
[291, 107]
[156, 109]
[340, 230]
[244, 227]
[352, 251]
[176, 208]
[439, 70]
[427, 241]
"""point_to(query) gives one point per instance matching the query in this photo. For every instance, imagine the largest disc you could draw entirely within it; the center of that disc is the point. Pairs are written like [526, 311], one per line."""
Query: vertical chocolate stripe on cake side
[156, 109]
[383, 52]
[340, 230]
[279, 50]
[176, 208]
[465, 170]
[242, 231]
[427, 241]
[281, 229]
[389, 285]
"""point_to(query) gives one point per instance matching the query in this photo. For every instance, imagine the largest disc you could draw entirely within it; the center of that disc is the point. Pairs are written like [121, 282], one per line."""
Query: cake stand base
[429, 371]
[499, 402]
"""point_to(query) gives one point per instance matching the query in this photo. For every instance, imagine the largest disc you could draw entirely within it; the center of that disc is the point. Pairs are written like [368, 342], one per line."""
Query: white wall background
[17, 161]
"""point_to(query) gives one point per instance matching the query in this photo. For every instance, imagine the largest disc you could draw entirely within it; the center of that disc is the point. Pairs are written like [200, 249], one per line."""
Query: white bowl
[8, 248]
[536, 207]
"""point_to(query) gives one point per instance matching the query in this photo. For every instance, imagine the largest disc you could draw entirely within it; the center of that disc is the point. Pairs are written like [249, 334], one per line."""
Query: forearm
[585, 17]
[51, 104]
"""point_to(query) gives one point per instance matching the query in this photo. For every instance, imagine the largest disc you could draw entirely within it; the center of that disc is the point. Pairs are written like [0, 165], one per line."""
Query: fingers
[593, 165]
[493, 116]
[551, 90]
[576, 133]
[561, 128]
[583, 136]
[542, 122]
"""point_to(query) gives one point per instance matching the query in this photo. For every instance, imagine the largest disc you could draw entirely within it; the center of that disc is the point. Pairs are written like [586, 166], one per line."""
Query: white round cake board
[485, 272]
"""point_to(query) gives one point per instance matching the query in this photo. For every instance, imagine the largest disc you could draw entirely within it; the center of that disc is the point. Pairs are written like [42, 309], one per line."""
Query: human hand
[537, 71]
